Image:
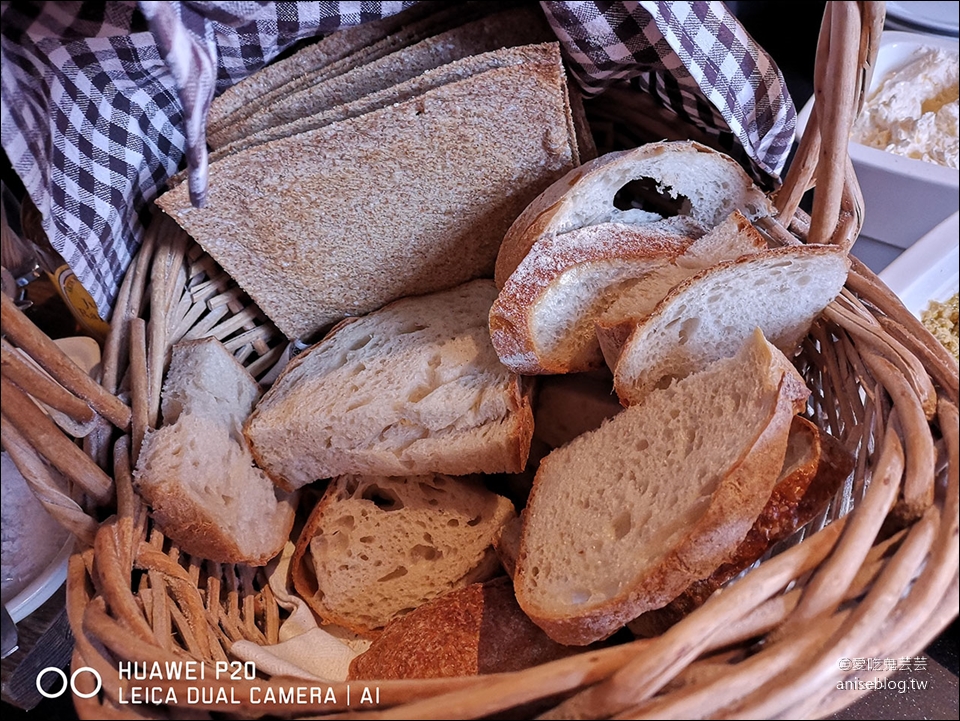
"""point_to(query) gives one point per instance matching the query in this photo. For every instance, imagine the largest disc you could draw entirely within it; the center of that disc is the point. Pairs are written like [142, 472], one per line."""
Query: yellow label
[80, 303]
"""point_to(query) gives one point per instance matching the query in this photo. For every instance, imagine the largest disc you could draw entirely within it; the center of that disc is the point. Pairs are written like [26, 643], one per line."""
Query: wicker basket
[880, 580]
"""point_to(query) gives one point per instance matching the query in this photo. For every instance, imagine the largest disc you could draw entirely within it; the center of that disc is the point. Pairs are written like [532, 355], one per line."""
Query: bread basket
[879, 581]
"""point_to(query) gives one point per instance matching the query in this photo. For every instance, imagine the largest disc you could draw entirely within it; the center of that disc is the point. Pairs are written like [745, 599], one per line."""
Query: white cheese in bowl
[913, 111]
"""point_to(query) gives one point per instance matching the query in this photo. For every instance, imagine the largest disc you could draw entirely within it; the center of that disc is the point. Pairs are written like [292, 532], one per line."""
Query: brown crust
[796, 500]
[733, 509]
[479, 629]
[512, 315]
[537, 220]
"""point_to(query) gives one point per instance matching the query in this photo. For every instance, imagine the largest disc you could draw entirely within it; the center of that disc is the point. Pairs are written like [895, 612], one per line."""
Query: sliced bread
[733, 238]
[317, 56]
[406, 200]
[479, 629]
[623, 518]
[543, 319]
[710, 315]
[196, 471]
[814, 468]
[517, 26]
[415, 387]
[380, 547]
[708, 186]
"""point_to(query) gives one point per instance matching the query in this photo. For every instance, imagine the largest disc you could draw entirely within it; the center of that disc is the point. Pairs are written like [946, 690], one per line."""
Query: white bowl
[903, 198]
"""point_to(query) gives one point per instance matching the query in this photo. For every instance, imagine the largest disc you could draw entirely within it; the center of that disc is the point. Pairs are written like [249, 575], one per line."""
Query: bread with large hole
[196, 471]
[624, 518]
[689, 178]
[413, 388]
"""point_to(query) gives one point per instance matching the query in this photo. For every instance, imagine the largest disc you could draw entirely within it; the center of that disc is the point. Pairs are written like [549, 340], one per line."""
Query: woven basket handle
[841, 77]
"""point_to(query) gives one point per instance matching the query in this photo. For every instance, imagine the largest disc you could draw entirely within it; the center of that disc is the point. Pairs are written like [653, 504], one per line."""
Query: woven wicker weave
[880, 580]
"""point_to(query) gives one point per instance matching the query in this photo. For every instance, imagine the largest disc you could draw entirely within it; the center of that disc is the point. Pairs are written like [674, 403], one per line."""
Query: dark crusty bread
[380, 547]
[517, 26]
[405, 200]
[623, 518]
[708, 184]
[479, 629]
[412, 388]
[543, 319]
[196, 471]
[814, 468]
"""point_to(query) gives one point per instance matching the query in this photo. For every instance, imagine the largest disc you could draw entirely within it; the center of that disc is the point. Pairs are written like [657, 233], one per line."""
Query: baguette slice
[196, 471]
[479, 629]
[624, 518]
[814, 468]
[543, 320]
[412, 388]
[401, 201]
[708, 184]
[733, 238]
[710, 315]
[381, 546]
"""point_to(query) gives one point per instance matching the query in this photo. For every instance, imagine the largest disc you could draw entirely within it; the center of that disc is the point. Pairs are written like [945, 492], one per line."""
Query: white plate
[941, 17]
[42, 587]
[904, 198]
[929, 270]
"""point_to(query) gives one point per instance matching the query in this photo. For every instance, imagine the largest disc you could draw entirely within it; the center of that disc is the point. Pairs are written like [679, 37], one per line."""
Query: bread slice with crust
[623, 518]
[312, 240]
[196, 471]
[709, 316]
[814, 468]
[543, 319]
[479, 629]
[707, 184]
[733, 238]
[413, 388]
[380, 547]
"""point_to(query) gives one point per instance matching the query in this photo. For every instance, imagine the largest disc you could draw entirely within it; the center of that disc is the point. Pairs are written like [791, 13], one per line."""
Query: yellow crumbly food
[941, 319]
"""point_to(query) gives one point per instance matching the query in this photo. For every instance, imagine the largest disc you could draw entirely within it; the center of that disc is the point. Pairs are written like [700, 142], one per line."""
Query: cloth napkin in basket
[103, 101]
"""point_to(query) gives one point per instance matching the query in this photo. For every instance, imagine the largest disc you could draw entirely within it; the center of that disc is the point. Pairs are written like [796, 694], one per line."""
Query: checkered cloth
[103, 102]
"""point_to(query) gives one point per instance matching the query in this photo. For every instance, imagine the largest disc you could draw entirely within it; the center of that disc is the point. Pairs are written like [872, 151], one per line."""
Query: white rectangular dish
[903, 198]
[929, 270]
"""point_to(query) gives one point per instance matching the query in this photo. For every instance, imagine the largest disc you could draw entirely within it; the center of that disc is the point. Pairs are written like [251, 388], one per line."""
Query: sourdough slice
[196, 471]
[710, 315]
[814, 468]
[624, 518]
[517, 26]
[708, 185]
[414, 387]
[475, 630]
[312, 58]
[733, 238]
[381, 546]
[543, 320]
[401, 201]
